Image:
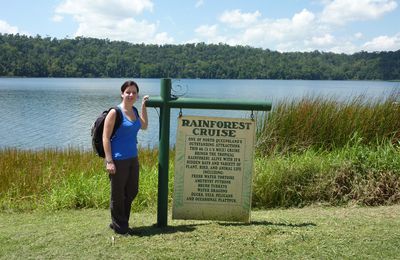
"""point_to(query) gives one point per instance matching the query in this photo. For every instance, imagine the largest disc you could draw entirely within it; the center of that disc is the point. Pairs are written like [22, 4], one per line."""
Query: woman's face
[130, 94]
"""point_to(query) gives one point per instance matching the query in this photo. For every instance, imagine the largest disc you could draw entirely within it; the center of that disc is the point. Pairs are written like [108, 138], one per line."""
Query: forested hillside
[24, 56]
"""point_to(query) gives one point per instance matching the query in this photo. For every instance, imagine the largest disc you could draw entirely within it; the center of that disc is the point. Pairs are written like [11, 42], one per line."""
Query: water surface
[41, 113]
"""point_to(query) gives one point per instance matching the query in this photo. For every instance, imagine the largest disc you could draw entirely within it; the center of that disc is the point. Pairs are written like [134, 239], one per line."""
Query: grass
[323, 123]
[355, 174]
[313, 150]
[54, 179]
[311, 232]
[73, 179]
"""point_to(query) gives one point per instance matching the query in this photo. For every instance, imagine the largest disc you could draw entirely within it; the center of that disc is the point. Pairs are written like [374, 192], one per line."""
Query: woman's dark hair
[129, 83]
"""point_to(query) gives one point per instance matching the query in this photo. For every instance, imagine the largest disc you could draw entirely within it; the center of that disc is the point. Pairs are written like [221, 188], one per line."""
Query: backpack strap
[136, 113]
[118, 120]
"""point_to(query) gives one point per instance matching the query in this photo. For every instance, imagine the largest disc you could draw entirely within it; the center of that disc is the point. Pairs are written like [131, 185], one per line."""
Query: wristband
[109, 162]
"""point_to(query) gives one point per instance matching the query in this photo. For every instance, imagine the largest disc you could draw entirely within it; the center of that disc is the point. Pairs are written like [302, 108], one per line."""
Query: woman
[121, 155]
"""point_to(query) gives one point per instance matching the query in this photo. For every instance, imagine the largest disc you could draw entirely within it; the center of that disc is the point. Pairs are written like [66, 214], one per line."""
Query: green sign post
[165, 102]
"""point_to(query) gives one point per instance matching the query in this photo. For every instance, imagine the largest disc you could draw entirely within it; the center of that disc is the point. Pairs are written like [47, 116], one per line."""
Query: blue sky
[340, 26]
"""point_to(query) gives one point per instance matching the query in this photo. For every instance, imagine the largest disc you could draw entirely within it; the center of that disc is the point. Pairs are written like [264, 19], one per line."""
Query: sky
[339, 26]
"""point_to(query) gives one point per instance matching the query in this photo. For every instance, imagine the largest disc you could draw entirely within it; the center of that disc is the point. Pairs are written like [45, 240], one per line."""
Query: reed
[27, 175]
[327, 123]
[53, 179]
[313, 150]
[71, 179]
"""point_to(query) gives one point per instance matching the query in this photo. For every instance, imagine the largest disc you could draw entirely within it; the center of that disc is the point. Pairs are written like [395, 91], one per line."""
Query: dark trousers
[124, 188]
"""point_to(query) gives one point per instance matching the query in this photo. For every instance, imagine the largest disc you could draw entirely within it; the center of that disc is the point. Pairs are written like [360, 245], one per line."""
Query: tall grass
[356, 174]
[327, 123]
[322, 150]
[57, 179]
[313, 150]
[28, 175]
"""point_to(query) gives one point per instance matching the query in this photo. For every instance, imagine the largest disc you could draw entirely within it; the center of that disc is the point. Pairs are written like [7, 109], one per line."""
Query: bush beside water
[357, 174]
[314, 150]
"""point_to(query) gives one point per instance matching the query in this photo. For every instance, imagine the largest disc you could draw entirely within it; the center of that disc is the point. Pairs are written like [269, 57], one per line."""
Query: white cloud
[163, 38]
[304, 18]
[199, 3]
[127, 29]
[209, 34]
[6, 28]
[324, 40]
[344, 46]
[237, 19]
[111, 8]
[302, 32]
[383, 43]
[305, 30]
[342, 11]
[57, 18]
[358, 35]
[113, 19]
[269, 31]
[282, 34]
[207, 31]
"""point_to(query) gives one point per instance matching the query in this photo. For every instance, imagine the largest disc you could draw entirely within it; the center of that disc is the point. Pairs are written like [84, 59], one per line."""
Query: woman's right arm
[107, 131]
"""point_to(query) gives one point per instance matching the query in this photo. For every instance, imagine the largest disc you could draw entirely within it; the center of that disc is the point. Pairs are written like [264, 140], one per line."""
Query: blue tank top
[124, 142]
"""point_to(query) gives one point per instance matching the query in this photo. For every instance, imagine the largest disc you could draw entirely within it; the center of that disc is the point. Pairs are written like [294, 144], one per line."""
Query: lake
[41, 113]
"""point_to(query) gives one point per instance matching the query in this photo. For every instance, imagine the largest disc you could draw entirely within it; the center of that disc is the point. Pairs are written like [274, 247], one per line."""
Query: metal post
[163, 155]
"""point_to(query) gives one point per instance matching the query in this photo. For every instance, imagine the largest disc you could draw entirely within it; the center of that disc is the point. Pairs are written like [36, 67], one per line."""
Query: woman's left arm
[143, 114]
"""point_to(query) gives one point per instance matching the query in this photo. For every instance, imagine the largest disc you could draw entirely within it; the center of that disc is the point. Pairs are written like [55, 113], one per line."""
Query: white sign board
[213, 168]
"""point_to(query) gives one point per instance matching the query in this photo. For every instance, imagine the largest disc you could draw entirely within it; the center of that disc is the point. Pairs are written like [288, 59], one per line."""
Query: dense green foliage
[24, 56]
[356, 174]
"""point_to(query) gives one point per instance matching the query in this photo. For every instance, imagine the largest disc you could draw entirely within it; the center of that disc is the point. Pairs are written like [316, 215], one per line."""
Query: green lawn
[312, 232]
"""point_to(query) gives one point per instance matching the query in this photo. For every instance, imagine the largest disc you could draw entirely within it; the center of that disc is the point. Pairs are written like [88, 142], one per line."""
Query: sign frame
[213, 168]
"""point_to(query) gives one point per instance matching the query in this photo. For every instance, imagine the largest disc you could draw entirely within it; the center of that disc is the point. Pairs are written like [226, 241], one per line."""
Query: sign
[213, 168]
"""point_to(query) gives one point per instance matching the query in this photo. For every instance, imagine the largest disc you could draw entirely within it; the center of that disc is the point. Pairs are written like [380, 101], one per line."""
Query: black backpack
[98, 126]
[97, 130]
